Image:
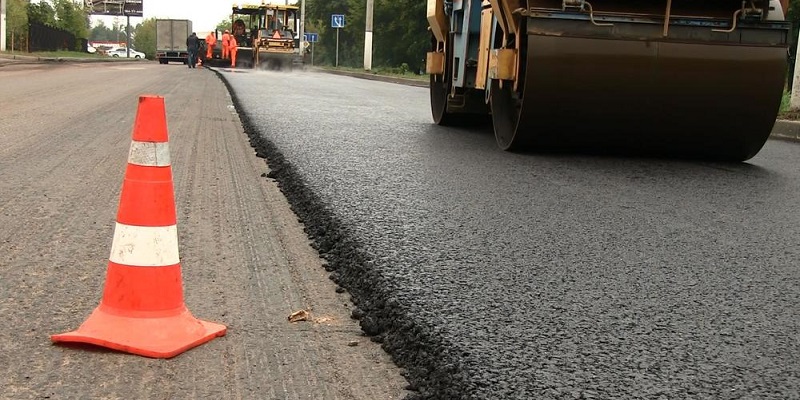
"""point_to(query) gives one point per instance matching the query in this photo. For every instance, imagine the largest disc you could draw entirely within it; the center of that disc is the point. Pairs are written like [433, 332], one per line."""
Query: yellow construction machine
[278, 44]
[266, 35]
[677, 78]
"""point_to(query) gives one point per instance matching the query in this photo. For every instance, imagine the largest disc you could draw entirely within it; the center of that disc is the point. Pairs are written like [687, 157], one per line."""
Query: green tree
[400, 33]
[145, 39]
[17, 20]
[42, 13]
[71, 17]
[102, 33]
[351, 37]
[224, 24]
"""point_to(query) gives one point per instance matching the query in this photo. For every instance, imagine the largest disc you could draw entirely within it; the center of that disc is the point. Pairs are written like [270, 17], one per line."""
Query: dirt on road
[64, 137]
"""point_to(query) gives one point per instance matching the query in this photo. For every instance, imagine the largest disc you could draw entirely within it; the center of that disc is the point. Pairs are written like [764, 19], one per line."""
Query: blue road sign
[337, 21]
[311, 37]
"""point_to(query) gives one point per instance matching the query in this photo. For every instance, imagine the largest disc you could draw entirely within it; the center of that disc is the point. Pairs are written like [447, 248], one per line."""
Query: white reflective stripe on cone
[145, 246]
[149, 154]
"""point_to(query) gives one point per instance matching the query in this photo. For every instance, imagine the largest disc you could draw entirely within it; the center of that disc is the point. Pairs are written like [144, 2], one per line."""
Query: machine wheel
[506, 108]
[505, 103]
[440, 87]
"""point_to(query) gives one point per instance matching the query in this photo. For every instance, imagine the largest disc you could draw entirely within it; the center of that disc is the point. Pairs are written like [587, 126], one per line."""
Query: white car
[123, 52]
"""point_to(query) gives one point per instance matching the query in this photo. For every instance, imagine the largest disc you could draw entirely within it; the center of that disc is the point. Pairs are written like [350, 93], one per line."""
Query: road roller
[674, 78]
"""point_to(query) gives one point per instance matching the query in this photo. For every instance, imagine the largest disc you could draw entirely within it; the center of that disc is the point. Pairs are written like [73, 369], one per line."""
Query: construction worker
[211, 41]
[226, 38]
[233, 47]
[192, 44]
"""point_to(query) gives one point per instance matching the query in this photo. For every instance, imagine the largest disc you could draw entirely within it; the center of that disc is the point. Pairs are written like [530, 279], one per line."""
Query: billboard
[131, 8]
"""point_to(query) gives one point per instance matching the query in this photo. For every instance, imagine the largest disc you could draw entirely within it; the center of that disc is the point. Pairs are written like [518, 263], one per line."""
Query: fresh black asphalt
[494, 275]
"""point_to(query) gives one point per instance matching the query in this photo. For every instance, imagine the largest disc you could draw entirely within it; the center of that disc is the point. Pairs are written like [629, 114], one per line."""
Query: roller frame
[670, 47]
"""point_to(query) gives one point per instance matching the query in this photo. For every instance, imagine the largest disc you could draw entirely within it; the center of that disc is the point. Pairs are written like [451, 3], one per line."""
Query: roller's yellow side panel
[434, 63]
[483, 47]
[503, 64]
[503, 10]
[437, 20]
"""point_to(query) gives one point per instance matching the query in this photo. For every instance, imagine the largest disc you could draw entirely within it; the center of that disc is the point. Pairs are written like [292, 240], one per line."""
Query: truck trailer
[171, 37]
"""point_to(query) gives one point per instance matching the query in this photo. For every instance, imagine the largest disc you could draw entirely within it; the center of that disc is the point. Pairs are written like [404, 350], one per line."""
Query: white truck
[171, 37]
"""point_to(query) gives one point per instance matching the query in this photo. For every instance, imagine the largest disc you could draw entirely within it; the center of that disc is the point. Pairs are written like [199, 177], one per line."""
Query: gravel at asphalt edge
[432, 371]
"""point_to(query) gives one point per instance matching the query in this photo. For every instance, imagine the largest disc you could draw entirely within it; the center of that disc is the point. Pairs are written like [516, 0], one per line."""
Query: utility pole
[128, 36]
[794, 100]
[302, 30]
[368, 37]
[3, 23]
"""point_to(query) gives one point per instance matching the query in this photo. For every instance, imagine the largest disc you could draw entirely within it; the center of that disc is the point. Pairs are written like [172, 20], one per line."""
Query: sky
[204, 17]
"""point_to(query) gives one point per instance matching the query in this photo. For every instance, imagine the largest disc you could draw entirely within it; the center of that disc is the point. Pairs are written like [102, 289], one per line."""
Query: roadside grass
[785, 112]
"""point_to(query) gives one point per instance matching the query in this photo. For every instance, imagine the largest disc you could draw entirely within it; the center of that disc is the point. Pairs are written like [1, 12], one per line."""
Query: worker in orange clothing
[226, 38]
[233, 47]
[211, 41]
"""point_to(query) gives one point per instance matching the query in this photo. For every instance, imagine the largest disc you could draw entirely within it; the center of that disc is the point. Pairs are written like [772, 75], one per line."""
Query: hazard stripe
[149, 154]
[147, 197]
[153, 292]
[145, 246]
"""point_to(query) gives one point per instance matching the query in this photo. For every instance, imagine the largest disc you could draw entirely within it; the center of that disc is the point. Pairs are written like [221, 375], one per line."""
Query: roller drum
[699, 99]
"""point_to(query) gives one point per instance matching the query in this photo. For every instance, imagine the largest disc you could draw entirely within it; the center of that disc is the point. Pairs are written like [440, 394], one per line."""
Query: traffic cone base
[156, 337]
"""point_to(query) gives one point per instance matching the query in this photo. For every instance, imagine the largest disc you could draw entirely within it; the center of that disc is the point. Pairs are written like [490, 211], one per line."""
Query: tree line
[66, 15]
[400, 30]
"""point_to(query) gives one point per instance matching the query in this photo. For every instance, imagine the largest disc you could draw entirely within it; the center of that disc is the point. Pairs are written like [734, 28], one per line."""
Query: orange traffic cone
[142, 309]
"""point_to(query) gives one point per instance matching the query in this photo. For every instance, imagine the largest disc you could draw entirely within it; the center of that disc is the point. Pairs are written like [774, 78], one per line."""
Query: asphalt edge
[422, 354]
[786, 130]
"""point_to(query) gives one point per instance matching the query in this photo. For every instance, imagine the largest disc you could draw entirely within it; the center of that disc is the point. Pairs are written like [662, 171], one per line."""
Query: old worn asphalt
[492, 275]
[65, 130]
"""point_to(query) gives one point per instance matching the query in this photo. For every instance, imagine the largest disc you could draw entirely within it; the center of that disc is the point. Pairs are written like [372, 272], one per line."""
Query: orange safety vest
[211, 40]
[232, 43]
[226, 38]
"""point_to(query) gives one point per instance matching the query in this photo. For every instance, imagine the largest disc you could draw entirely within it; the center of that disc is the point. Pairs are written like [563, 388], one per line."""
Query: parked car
[123, 52]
